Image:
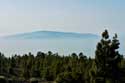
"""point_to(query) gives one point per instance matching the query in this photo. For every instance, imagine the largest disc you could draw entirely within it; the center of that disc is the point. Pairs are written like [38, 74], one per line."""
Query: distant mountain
[51, 35]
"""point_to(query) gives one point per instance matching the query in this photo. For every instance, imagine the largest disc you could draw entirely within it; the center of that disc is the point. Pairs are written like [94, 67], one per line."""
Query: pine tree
[107, 57]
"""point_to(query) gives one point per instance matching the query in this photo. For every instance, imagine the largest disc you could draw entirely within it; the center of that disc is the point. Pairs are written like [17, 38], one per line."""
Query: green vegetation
[108, 66]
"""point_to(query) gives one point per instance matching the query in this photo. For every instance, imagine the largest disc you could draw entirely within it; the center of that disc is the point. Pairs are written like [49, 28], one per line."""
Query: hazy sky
[90, 16]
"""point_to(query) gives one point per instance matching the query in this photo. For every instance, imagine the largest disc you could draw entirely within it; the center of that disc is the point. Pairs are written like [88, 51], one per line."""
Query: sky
[84, 16]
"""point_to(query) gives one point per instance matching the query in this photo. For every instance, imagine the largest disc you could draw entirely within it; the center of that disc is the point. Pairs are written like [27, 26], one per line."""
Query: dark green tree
[107, 58]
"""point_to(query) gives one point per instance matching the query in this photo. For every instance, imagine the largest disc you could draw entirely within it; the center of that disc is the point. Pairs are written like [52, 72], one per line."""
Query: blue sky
[85, 16]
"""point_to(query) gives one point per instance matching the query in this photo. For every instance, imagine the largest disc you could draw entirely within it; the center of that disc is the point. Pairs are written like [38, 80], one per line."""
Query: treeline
[46, 66]
[108, 66]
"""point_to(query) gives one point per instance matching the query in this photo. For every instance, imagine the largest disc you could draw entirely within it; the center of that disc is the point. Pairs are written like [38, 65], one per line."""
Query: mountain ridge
[50, 35]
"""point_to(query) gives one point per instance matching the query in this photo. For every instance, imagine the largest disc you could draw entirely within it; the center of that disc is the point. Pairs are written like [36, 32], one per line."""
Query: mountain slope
[50, 35]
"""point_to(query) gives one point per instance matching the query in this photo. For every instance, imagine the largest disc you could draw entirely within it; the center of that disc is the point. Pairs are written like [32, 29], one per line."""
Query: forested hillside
[108, 66]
